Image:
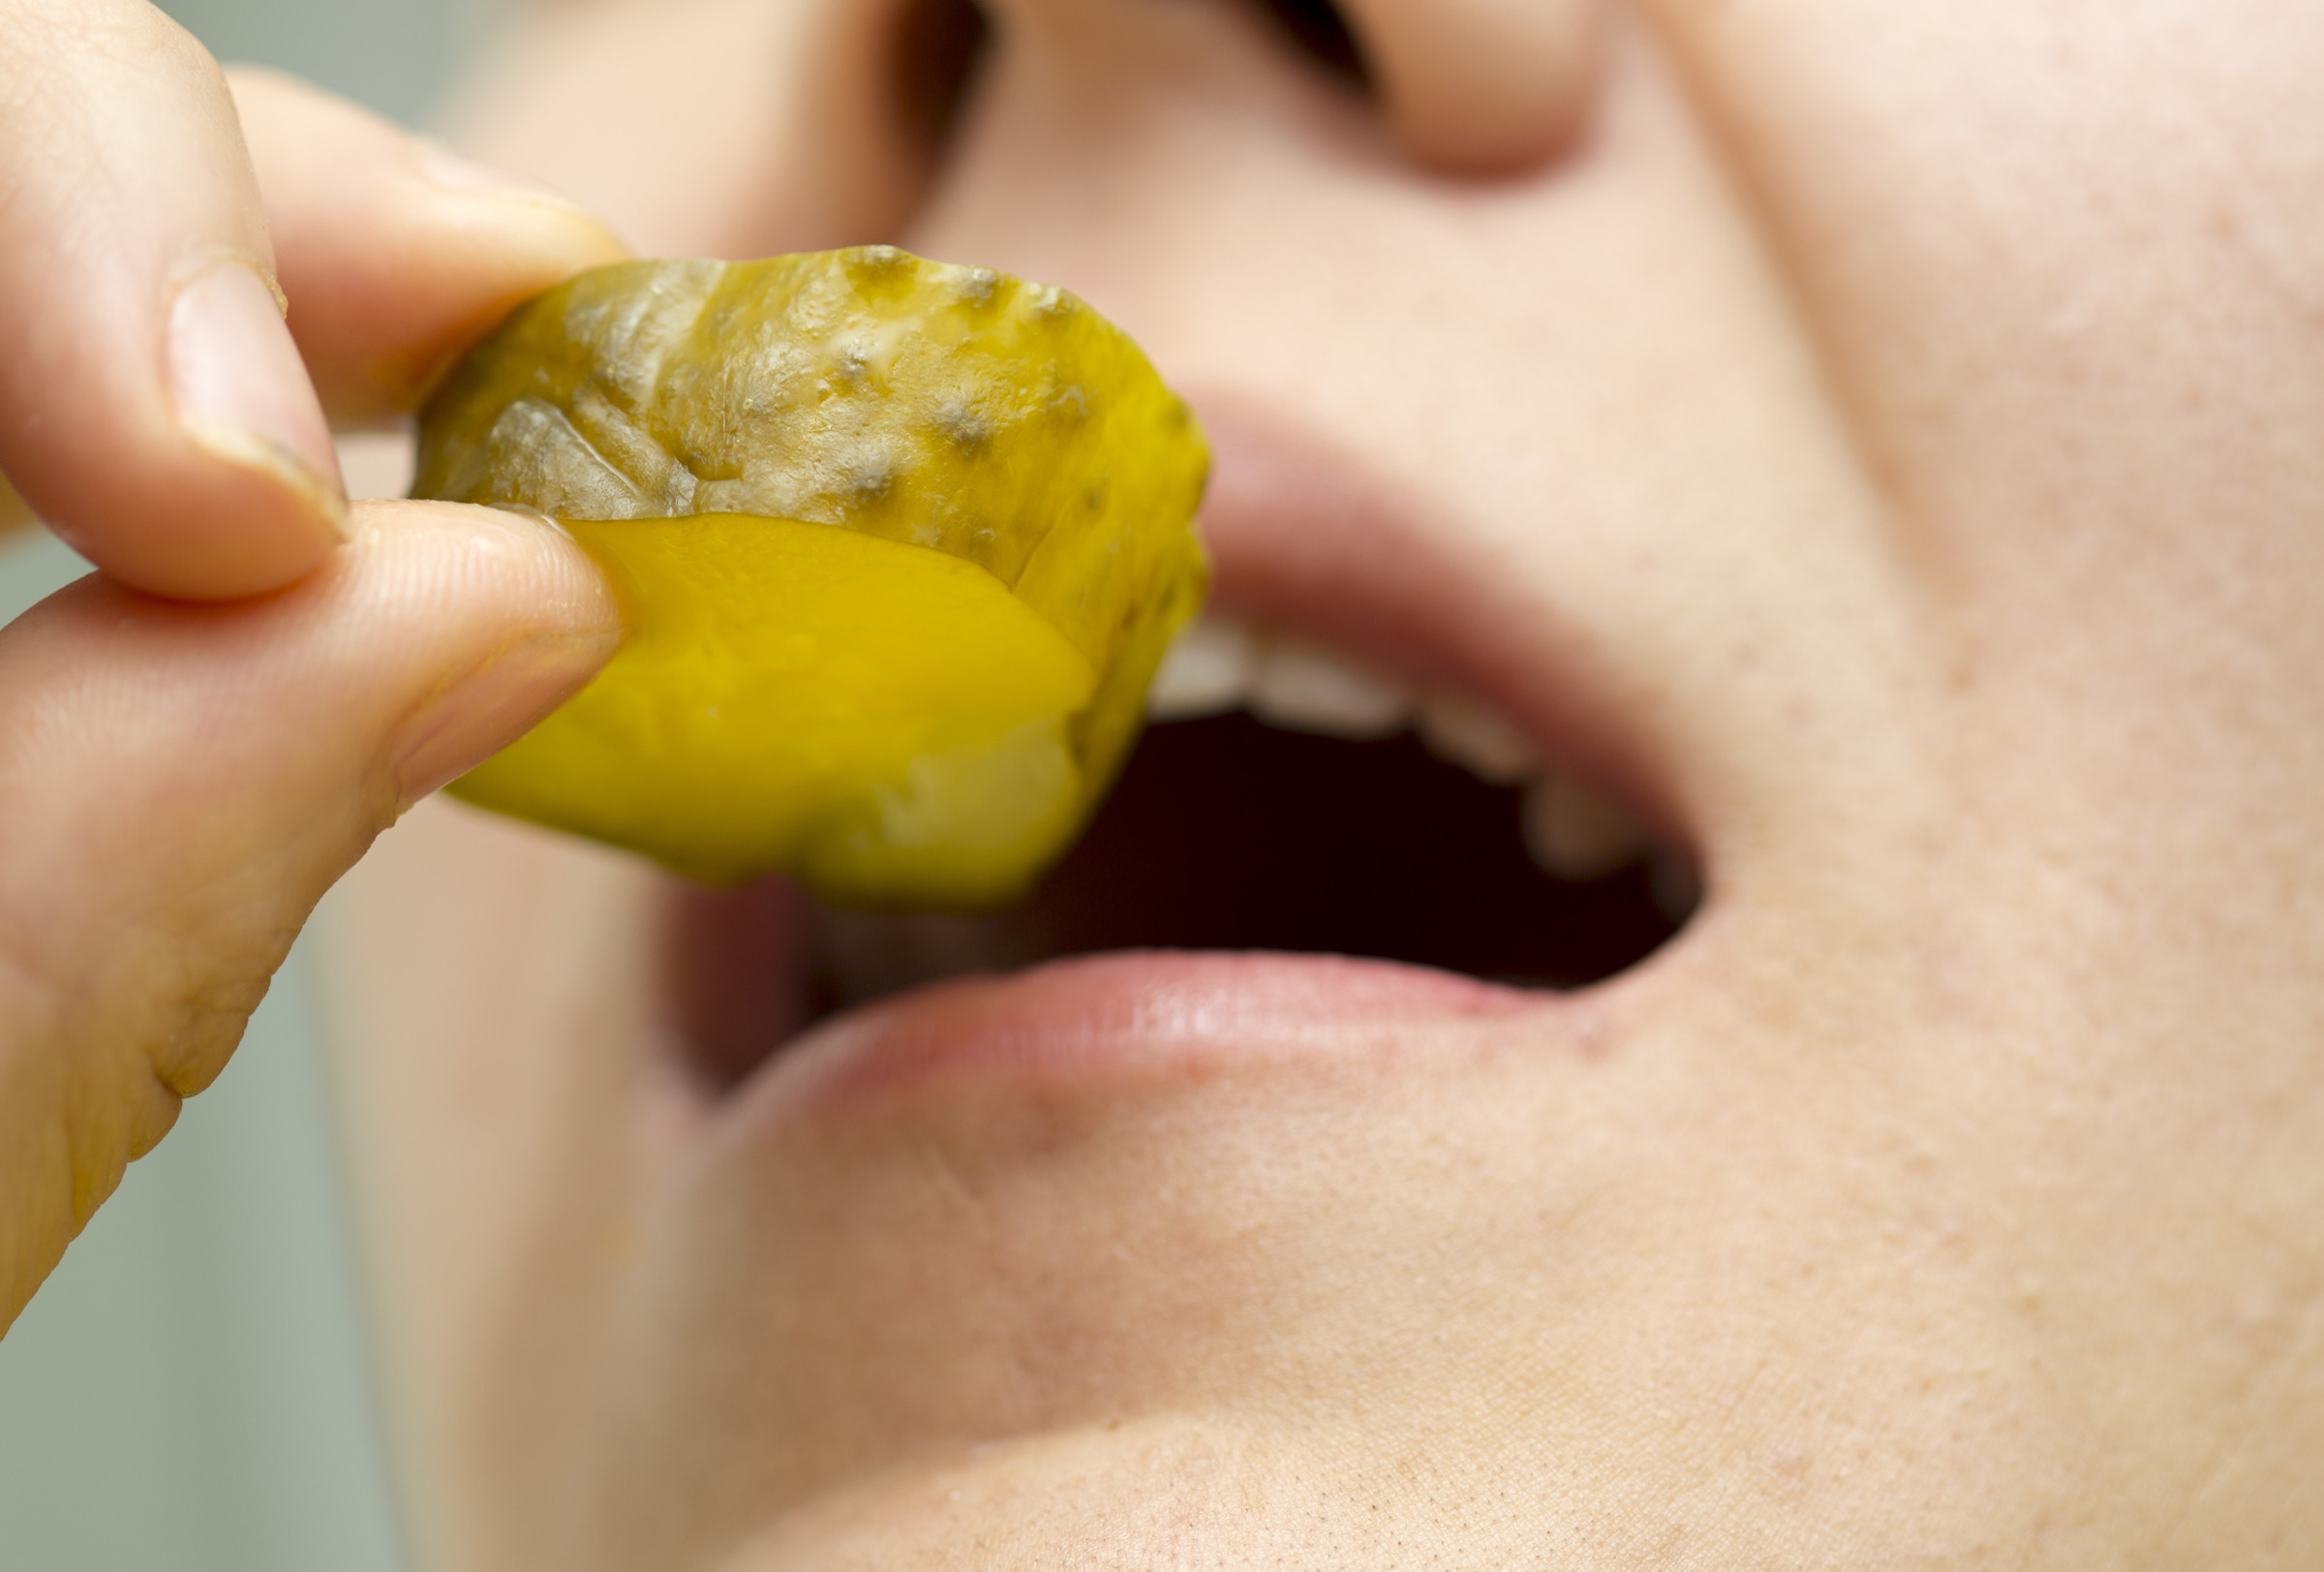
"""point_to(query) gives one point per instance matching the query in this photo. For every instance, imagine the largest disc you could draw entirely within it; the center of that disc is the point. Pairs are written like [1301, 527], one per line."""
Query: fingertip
[521, 576]
[263, 528]
[153, 404]
[586, 240]
[252, 523]
[484, 710]
[545, 621]
[319, 502]
[236, 383]
[492, 242]
[397, 253]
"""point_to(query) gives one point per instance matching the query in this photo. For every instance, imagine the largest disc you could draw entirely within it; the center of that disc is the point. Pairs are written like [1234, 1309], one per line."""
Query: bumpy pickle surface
[900, 543]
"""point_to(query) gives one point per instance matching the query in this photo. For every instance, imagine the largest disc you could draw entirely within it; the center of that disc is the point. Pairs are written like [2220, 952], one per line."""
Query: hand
[197, 740]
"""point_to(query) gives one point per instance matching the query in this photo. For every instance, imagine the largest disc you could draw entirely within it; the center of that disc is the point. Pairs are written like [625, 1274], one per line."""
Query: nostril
[1323, 35]
[938, 46]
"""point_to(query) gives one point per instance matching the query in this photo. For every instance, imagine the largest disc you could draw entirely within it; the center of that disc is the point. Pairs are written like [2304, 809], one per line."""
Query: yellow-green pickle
[900, 546]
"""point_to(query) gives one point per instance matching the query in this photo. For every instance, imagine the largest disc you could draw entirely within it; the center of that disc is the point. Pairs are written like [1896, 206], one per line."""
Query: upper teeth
[1218, 666]
[1303, 688]
[1572, 830]
[1463, 731]
[1208, 672]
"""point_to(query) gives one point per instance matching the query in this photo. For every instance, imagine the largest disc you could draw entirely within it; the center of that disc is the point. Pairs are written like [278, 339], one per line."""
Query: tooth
[1574, 833]
[1460, 730]
[1302, 688]
[1208, 672]
[1675, 884]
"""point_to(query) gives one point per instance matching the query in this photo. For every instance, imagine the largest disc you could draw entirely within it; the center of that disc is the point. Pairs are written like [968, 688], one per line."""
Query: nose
[1463, 86]
[755, 126]
[1483, 85]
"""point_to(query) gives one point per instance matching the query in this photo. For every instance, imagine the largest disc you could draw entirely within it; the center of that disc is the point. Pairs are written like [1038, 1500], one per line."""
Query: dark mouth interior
[1223, 834]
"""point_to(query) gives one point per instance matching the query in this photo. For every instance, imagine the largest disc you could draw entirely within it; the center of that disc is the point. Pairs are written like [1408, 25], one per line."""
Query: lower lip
[1131, 1017]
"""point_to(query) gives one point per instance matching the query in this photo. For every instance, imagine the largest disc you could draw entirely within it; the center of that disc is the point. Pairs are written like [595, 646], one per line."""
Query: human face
[1881, 448]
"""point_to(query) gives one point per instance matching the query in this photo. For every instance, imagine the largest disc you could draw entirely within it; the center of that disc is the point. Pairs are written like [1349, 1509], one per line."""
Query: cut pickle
[900, 543]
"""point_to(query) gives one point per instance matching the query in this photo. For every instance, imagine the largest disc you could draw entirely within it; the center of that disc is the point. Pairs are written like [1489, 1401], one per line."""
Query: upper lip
[1310, 540]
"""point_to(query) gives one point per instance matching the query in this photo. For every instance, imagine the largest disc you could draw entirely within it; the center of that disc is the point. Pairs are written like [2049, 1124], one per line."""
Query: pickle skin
[900, 543]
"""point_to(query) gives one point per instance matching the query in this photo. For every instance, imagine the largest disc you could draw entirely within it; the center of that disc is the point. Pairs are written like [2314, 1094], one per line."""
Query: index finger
[152, 406]
[152, 403]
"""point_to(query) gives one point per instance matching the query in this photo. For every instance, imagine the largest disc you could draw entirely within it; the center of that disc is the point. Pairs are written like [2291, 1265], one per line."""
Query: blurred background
[189, 1392]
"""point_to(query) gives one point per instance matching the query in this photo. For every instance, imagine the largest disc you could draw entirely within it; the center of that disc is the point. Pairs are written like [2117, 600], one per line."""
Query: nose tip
[1483, 86]
[1466, 86]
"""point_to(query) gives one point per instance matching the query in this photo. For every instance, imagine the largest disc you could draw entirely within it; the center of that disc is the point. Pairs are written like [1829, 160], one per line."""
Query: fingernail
[475, 716]
[240, 388]
[450, 170]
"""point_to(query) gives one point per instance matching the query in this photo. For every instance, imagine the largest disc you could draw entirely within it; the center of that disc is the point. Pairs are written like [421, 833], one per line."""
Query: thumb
[180, 783]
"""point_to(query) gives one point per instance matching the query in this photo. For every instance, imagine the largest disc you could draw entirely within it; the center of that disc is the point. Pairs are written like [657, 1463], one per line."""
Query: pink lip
[1310, 540]
[1306, 541]
[1136, 1017]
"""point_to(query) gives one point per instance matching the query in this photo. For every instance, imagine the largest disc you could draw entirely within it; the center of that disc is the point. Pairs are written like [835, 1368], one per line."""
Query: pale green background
[189, 1392]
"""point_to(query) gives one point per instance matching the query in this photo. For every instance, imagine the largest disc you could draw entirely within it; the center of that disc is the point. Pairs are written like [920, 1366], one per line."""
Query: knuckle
[121, 30]
[121, 1044]
[66, 64]
[201, 1024]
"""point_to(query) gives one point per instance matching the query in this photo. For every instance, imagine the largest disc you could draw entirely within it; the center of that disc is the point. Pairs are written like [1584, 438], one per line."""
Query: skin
[1877, 443]
[199, 739]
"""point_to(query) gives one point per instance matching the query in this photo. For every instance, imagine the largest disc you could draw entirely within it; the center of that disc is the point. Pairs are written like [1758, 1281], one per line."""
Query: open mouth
[1285, 799]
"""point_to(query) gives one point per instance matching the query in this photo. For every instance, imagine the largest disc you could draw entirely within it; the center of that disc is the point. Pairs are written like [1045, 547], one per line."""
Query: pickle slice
[900, 546]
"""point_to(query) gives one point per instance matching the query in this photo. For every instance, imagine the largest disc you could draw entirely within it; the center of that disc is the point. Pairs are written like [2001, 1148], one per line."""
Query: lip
[1310, 540]
[1125, 1019]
